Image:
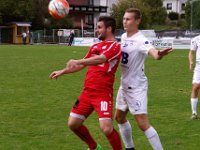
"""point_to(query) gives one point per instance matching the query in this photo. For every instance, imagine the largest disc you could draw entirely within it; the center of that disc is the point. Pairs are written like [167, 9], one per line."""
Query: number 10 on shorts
[104, 106]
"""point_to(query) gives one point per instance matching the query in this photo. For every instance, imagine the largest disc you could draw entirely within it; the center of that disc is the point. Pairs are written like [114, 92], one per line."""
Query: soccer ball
[58, 8]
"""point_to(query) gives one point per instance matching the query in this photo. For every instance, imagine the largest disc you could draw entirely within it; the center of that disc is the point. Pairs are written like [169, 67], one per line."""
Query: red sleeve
[88, 55]
[113, 51]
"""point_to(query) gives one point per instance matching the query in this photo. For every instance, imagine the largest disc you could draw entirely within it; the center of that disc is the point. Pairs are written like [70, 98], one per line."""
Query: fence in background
[61, 36]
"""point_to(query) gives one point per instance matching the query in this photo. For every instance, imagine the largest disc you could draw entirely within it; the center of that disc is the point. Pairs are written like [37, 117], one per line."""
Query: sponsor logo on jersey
[104, 47]
[106, 113]
[131, 43]
[125, 45]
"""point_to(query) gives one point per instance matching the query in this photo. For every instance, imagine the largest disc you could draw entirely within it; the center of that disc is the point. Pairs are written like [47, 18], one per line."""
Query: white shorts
[134, 100]
[196, 75]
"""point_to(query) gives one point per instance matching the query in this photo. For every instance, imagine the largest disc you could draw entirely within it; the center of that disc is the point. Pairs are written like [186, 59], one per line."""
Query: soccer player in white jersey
[132, 94]
[195, 46]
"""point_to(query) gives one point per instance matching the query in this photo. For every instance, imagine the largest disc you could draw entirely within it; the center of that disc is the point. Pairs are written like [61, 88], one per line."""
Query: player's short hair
[137, 13]
[109, 22]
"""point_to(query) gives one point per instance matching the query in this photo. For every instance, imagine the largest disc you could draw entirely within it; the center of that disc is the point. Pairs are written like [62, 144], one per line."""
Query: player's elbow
[102, 59]
[99, 61]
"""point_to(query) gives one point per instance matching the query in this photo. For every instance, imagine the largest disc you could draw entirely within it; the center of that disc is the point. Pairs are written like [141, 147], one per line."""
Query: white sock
[194, 102]
[153, 138]
[126, 134]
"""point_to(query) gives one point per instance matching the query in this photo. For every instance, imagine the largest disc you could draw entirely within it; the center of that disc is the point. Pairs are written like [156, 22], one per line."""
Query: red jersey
[100, 78]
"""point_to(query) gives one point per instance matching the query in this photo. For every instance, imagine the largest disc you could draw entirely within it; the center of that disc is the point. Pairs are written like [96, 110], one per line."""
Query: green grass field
[34, 109]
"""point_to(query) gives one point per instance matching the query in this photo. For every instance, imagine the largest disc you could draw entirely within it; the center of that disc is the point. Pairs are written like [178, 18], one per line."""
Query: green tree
[157, 12]
[42, 18]
[11, 10]
[35, 11]
[40, 12]
[119, 9]
[195, 4]
[152, 12]
[173, 16]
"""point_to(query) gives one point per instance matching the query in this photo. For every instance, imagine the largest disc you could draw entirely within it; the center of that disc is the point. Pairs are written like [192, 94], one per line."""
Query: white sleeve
[193, 45]
[145, 46]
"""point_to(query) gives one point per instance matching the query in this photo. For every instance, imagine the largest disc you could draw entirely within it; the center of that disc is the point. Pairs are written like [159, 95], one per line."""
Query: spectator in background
[30, 37]
[71, 38]
[24, 35]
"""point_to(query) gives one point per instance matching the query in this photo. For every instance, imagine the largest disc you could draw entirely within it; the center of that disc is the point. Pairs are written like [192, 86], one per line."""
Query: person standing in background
[24, 35]
[71, 38]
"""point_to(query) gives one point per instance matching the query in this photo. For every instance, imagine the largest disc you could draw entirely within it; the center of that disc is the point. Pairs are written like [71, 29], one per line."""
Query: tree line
[153, 13]
[35, 11]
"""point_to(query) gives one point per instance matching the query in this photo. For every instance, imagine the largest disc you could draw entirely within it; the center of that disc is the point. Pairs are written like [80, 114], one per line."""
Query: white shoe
[194, 116]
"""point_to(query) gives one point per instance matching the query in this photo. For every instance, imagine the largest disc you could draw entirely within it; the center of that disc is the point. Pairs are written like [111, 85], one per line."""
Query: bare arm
[67, 70]
[158, 54]
[96, 60]
[190, 58]
[77, 65]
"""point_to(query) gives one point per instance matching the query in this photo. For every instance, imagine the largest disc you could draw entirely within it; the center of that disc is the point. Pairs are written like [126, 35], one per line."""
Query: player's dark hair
[109, 22]
[137, 13]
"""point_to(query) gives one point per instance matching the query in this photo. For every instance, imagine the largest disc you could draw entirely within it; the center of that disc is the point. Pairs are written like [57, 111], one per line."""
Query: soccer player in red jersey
[102, 60]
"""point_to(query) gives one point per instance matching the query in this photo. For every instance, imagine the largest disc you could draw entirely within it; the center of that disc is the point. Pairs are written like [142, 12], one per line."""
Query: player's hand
[56, 74]
[71, 64]
[165, 51]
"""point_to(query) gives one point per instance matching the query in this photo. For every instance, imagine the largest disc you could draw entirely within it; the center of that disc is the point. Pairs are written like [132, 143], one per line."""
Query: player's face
[129, 22]
[101, 30]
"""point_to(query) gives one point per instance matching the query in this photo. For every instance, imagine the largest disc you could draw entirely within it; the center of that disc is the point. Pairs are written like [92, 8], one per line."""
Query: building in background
[177, 6]
[12, 32]
[110, 3]
[85, 12]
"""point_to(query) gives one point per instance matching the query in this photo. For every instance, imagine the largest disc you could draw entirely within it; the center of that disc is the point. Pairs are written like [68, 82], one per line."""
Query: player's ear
[138, 21]
[109, 29]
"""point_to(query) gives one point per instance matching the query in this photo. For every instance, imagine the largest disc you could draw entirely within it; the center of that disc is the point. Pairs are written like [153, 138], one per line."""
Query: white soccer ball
[58, 8]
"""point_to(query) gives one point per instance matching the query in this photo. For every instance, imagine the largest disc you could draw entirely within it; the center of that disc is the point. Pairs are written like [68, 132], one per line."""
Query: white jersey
[134, 51]
[24, 34]
[195, 46]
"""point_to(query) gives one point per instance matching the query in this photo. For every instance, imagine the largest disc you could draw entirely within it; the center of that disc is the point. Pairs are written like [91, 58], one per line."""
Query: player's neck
[110, 38]
[131, 33]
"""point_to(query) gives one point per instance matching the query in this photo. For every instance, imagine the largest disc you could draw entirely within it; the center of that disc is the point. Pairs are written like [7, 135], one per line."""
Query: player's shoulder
[196, 38]
[98, 43]
[105, 44]
[142, 38]
[113, 43]
[123, 35]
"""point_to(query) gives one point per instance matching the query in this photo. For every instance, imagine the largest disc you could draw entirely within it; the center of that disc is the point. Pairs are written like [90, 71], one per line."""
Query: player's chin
[100, 37]
[125, 28]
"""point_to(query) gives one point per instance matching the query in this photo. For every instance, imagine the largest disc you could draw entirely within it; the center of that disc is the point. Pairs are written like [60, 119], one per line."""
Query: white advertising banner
[85, 41]
[162, 43]
[157, 43]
